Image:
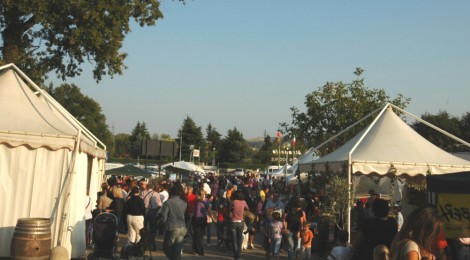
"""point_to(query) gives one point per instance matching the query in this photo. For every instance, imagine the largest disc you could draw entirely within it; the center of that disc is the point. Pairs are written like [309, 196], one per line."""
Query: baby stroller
[104, 236]
[138, 249]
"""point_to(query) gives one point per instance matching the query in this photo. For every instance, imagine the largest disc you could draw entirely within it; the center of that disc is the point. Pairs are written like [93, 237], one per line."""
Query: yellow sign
[455, 212]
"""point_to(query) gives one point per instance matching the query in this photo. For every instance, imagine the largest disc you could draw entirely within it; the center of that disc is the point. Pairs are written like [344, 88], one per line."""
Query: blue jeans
[292, 241]
[305, 253]
[275, 246]
[236, 228]
[173, 243]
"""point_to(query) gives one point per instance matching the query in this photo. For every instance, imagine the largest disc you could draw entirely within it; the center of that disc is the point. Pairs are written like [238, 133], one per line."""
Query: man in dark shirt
[173, 211]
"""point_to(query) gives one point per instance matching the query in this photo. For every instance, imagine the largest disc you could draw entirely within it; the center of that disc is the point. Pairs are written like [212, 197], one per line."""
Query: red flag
[278, 136]
[293, 140]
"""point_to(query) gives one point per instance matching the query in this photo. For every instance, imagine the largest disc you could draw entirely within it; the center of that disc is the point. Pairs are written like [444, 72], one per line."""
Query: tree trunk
[12, 35]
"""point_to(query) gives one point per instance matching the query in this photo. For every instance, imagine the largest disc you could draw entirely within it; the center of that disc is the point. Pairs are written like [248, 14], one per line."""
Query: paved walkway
[213, 252]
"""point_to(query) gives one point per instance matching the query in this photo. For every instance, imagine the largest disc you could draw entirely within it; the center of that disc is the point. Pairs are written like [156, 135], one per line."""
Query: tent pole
[68, 186]
[345, 130]
[348, 216]
[432, 126]
[350, 164]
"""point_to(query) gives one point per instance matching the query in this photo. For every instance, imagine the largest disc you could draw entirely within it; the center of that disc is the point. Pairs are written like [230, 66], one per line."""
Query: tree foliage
[335, 106]
[192, 136]
[465, 126]
[86, 110]
[265, 153]
[122, 145]
[234, 148]
[451, 124]
[138, 135]
[213, 138]
[42, 36]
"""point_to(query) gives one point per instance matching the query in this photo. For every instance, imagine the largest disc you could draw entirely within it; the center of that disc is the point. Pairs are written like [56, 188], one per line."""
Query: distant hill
[257, 142]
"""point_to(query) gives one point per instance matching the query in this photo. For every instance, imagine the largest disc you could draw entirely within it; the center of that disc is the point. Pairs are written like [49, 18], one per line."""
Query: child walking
[275, 234]
[306, 237]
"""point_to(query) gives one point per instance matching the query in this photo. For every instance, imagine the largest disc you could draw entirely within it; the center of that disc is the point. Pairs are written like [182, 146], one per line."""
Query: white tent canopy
[389, 145]
[282, 172]
[183, 166]
[48, 163]
[292, 175]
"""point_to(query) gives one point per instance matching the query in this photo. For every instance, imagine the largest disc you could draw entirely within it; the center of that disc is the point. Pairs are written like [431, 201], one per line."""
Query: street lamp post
[286, 147]
[191, 147]
[213, 158]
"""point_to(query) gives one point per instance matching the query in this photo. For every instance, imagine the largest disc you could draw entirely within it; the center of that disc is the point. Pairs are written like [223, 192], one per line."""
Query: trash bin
[31, 239]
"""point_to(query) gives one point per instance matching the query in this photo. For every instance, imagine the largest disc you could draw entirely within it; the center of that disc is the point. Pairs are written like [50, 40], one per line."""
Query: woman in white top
[417, 236]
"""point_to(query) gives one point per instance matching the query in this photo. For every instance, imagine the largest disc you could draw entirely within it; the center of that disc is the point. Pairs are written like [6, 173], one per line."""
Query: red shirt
[192, 201]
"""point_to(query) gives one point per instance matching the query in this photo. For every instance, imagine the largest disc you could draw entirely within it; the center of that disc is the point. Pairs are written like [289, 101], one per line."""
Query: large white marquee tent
[49, 162]
[389, 146]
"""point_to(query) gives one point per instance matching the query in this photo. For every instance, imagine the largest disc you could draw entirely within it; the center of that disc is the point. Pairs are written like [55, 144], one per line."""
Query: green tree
[233, 148]
[465, 129]
[265, 153]
[139, 134]
[166, 137]
[444, 121]
[122, 145]
[192, 139]
[335, 106]
[43, 36]
[213, 138]
[86, 110]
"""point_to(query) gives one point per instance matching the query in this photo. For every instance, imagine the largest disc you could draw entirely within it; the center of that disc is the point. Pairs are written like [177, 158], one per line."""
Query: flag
[293, 140]
[278, 136]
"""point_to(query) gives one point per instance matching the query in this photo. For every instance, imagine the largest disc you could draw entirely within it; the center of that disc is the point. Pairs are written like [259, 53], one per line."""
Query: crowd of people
[182, 212]
[240, 207]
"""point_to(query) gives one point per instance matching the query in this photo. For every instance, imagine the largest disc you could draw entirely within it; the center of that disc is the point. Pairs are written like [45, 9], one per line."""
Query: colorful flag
[293, 140]
[278, 136]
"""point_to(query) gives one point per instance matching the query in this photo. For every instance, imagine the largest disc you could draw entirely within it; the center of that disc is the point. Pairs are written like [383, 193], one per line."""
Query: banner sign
[454, 210]
[196, 153]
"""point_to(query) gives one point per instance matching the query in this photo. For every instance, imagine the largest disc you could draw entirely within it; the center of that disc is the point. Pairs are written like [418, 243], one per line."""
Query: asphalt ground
[211, 252]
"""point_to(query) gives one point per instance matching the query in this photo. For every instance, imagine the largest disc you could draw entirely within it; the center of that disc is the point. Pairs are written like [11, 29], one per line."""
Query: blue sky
[244, 63]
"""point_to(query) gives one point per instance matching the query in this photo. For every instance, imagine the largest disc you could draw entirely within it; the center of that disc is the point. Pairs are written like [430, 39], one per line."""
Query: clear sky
[244, 63]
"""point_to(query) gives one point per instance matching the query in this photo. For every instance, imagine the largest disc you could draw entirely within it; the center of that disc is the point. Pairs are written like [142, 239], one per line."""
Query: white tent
[292, 175]
[183, 166]
[389, 146]
[282, 172]
[48, 163]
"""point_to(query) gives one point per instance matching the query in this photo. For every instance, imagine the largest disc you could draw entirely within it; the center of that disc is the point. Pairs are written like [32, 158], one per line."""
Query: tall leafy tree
[86, 110]
[335, 106]
[465, 128]
[43, 36]
[191, 137]
[139, 134]
[444, 121]
[166, 137]
[265, 153]
[213, 138]
[234, 148]
[122, 145]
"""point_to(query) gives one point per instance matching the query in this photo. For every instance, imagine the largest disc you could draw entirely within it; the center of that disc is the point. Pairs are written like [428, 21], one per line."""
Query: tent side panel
[32, 181]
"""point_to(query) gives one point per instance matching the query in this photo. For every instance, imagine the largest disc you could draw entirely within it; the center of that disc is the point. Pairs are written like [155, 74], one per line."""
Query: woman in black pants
[199, 223]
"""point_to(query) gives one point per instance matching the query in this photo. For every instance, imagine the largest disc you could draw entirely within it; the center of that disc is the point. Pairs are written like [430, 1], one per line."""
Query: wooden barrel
[32, 239]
